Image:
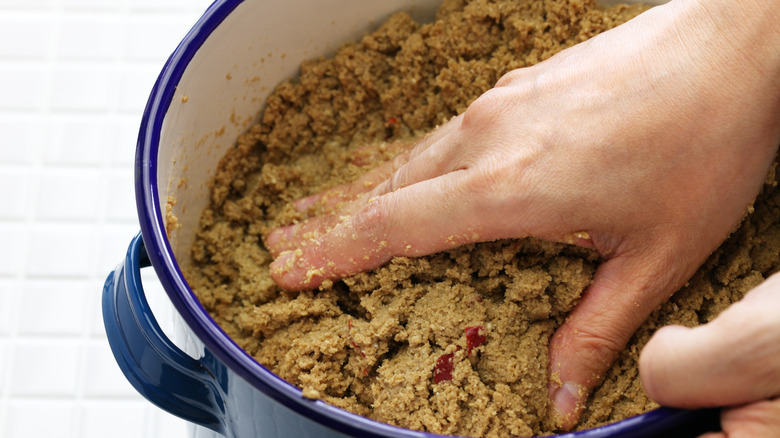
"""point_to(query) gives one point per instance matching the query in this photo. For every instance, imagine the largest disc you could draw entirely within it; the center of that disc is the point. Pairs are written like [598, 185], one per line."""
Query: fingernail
[566, 400]
[280, 236]
[284, 262]
[303, 204]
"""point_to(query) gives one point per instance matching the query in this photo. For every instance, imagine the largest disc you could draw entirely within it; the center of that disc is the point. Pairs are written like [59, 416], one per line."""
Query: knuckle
[511, 77]
[397, 177]
[399, 161]
[600, 342]
[493, 179]
[483, 183]
[597, 348]
[397, 180]
[371, 220]
[484, 110]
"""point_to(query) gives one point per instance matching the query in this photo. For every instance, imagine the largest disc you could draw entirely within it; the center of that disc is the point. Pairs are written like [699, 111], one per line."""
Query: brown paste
[453, 343]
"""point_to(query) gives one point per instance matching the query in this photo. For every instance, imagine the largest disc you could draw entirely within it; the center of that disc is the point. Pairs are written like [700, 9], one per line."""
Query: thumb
[732, 360]
[624, 292]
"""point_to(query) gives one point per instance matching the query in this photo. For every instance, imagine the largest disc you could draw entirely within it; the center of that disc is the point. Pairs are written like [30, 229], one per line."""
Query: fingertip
[303, 204]
[679, 365]
[281, 266]
[567, 403]
[280, 237]
[291, 271]
[656, 358]
[572, 374]
[595, 332]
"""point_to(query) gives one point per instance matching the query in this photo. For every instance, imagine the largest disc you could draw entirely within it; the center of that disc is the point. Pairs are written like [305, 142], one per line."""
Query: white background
[74, 79]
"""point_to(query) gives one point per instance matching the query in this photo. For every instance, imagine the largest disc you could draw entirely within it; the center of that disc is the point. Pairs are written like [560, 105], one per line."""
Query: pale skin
[646, 143]
[691, 368]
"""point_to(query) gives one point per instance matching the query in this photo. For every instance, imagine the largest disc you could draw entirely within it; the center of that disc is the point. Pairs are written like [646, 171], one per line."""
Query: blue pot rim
[196, 316]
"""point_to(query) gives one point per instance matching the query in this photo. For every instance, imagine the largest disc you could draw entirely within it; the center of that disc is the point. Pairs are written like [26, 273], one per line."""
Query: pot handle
[160, 371]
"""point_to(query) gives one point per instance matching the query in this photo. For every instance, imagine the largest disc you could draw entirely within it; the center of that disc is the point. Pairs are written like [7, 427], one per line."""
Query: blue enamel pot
[209, 91]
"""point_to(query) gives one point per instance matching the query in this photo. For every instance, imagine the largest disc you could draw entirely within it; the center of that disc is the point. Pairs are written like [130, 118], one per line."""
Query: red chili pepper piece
[355, 345]
[390, 128]
[475, 336]
[443, 371]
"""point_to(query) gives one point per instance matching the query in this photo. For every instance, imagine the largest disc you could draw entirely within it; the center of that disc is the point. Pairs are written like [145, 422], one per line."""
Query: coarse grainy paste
[453, 343]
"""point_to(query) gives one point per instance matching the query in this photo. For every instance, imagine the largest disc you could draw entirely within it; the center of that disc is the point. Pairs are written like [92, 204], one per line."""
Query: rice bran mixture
[453, 343]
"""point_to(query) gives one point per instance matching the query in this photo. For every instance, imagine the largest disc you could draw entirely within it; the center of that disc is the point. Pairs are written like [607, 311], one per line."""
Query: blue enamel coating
[155, 367]
[225, 389]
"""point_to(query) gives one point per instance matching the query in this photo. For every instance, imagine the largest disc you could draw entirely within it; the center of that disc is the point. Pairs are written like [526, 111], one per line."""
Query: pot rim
[195, 315]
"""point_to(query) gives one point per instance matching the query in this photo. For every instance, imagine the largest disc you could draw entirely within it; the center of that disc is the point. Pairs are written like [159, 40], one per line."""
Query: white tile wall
[94, 5]
[34, 29]
[45, 367]
[3, 353]
[10, 5]
[43, 301]
[24, 418]
[13, 238]
[21, 85]
[105, 378]
[7, 303]
[74, 79]
[119, 417]
[68, 195]
[77, 36]
[15, 189]
[92, 134]
[83, 87]
[21, 139]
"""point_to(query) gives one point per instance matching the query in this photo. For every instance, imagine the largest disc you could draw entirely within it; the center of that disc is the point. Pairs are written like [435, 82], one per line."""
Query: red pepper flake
[443, 371]
[475, 336]
[355, 345]
[390, 128]
[479, 298]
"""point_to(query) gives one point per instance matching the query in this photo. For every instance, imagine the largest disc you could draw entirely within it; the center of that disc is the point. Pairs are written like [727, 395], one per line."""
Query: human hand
[646, 143]
[732, 361]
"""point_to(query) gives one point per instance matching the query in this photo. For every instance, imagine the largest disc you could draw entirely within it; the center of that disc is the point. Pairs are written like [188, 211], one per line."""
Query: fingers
[341, 203]
[431, 163]
[732, 360]
[756, 420]
[334, 203]
[432, 156]
[370, 154]
[610, 311]
[332, 198]
[427, 217]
